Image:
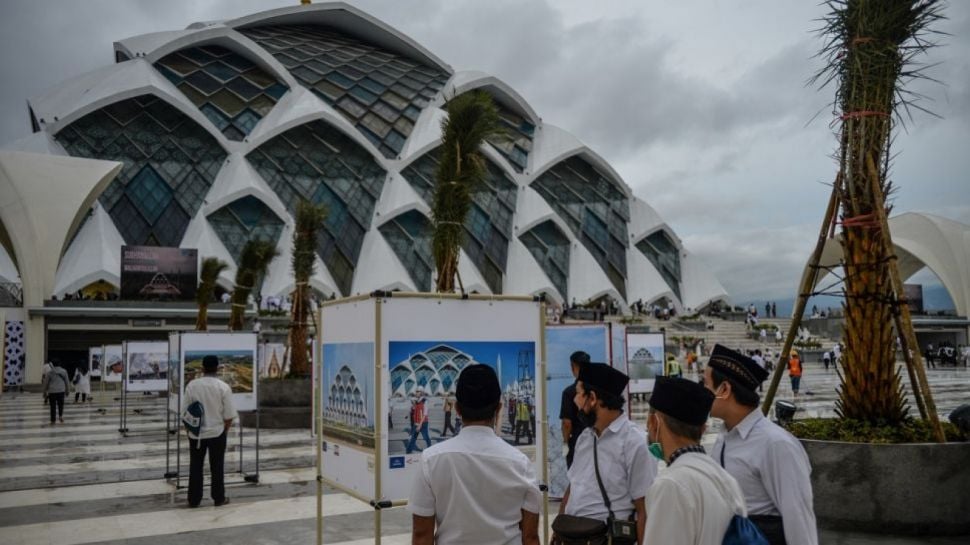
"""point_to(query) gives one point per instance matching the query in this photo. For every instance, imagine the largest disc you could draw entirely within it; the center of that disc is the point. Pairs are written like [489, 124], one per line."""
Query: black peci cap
[738, 367]
[478, 387]
[682, 399]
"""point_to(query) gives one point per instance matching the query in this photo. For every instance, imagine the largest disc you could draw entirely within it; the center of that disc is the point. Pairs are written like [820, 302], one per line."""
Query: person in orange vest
[795, 372]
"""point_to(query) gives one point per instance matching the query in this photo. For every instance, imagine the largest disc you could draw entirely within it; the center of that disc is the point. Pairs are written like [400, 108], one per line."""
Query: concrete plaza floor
[84, 483]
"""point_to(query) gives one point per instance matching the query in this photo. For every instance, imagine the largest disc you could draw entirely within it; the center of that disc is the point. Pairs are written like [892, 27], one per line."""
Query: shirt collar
[745, 426]
[477, 431]
[617, 424]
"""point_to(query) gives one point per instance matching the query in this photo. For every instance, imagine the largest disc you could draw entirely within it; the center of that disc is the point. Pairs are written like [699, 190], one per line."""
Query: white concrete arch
[237, 179]
[643, 280]
[920, 239]
[531, 210]
[468, 80]
[304, 107]
[399, 198]
[425, 136]
[95, 254]
[644, 220]
[590, 157]
[227, 38]
[391, 275]
[349, 19]
[90, 92]
[279, 277]
[525, 276]
[698, 285]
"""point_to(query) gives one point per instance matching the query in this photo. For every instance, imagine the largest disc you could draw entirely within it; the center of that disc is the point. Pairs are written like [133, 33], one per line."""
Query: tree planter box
[911, 489]
[284, 403]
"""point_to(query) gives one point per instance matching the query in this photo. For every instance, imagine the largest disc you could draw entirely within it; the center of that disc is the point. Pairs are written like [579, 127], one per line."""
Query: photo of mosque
[646, 360]
[347, 399]
[422, 390]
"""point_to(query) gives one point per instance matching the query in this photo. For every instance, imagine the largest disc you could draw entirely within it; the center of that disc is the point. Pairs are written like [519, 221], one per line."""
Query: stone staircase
[732, 334]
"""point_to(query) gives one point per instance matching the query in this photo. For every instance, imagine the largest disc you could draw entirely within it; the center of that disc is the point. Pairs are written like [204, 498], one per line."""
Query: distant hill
[935, 297]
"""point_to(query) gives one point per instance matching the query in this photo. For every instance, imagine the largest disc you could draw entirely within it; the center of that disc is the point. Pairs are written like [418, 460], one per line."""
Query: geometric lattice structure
[243, 220]
[14, 353]
[661, 250]
[433, 371]
[379, 92]
[488, 227]
[320, 164]
[595, 209]
[409, 235]
[550, 247]
[228, 88]
[322, 102]
[170, 164]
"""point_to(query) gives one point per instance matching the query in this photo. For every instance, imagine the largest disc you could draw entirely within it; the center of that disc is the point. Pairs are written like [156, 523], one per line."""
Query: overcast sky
[701, 106]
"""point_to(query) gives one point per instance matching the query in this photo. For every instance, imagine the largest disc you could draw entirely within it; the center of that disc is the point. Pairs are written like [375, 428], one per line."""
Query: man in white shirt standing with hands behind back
[218, 414]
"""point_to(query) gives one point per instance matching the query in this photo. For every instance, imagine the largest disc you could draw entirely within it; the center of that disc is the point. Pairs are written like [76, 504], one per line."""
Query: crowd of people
[754, 485]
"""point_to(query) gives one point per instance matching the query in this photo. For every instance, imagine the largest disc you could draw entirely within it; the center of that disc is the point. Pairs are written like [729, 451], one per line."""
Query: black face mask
[586, 418]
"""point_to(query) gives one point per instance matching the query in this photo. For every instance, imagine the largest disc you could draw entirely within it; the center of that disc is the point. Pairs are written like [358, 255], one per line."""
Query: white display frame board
[112, 353]
[652, 342]
[222, 345]
[561, 342]
[391, 321]
[135, 349]
[95, 360]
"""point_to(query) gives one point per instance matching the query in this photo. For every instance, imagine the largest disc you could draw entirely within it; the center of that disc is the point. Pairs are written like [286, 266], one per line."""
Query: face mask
[585, 418]
[655, 448]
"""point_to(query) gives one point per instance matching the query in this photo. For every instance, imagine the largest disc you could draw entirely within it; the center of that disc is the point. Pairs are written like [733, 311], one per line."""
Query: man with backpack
[208, 413]
[694, 500]
[769, 463]
[55, 388]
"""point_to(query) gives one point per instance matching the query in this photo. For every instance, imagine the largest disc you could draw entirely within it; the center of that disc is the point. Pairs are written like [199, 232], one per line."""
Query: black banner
[914, 295]
[157, 273]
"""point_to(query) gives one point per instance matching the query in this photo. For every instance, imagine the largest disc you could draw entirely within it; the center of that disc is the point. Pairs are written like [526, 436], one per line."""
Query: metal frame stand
[380, 504]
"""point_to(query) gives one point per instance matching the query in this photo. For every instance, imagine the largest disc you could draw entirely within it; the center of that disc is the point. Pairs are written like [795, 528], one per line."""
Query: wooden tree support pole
[910, 365]
[808, 283]
[914, 359]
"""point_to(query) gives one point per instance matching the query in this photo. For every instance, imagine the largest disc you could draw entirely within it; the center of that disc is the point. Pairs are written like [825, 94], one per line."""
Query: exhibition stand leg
[544, 452]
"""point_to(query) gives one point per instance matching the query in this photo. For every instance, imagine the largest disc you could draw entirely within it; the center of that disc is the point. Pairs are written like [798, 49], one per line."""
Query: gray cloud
[702, 107]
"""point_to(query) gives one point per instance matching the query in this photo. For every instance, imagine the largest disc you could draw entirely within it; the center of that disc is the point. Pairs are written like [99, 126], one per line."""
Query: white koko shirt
[774, 473]
[476, 486]
[692, 502]
[216, 398]
[625, 465]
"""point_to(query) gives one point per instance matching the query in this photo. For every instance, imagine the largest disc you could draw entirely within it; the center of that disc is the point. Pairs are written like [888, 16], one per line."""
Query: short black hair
[683, 429]
[744, 396]
[610, 401]
[579, 358]
[478, 414]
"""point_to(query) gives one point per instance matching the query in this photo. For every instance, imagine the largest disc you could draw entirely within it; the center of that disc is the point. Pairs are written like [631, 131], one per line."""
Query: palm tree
[870, 52]
[472, 117]
[309, 220]
[212, 267]
[253, 261]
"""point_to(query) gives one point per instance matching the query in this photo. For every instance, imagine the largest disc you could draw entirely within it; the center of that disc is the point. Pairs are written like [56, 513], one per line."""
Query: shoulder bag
[574, 530]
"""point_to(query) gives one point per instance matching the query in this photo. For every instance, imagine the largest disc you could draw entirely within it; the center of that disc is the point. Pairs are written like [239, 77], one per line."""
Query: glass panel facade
[661, 250]
[318, 163]
[372, 87]
[516, 144]
[550, 246]
[596, 210]
[488, 227]
[243, 220]
[169, 161]
[409, 235]
[228, 88]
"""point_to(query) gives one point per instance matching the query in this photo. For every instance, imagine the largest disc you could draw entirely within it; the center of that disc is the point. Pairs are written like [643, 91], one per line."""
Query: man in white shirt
[693, 501]
[626, 468]
[218, 414]
[769, 464]
[475, 487]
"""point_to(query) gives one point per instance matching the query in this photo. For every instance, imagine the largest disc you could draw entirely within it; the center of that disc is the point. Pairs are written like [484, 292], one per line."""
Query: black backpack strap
[599, 481]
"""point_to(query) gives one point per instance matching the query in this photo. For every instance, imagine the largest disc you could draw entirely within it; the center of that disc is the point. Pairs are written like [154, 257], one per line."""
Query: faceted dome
[224, 126]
